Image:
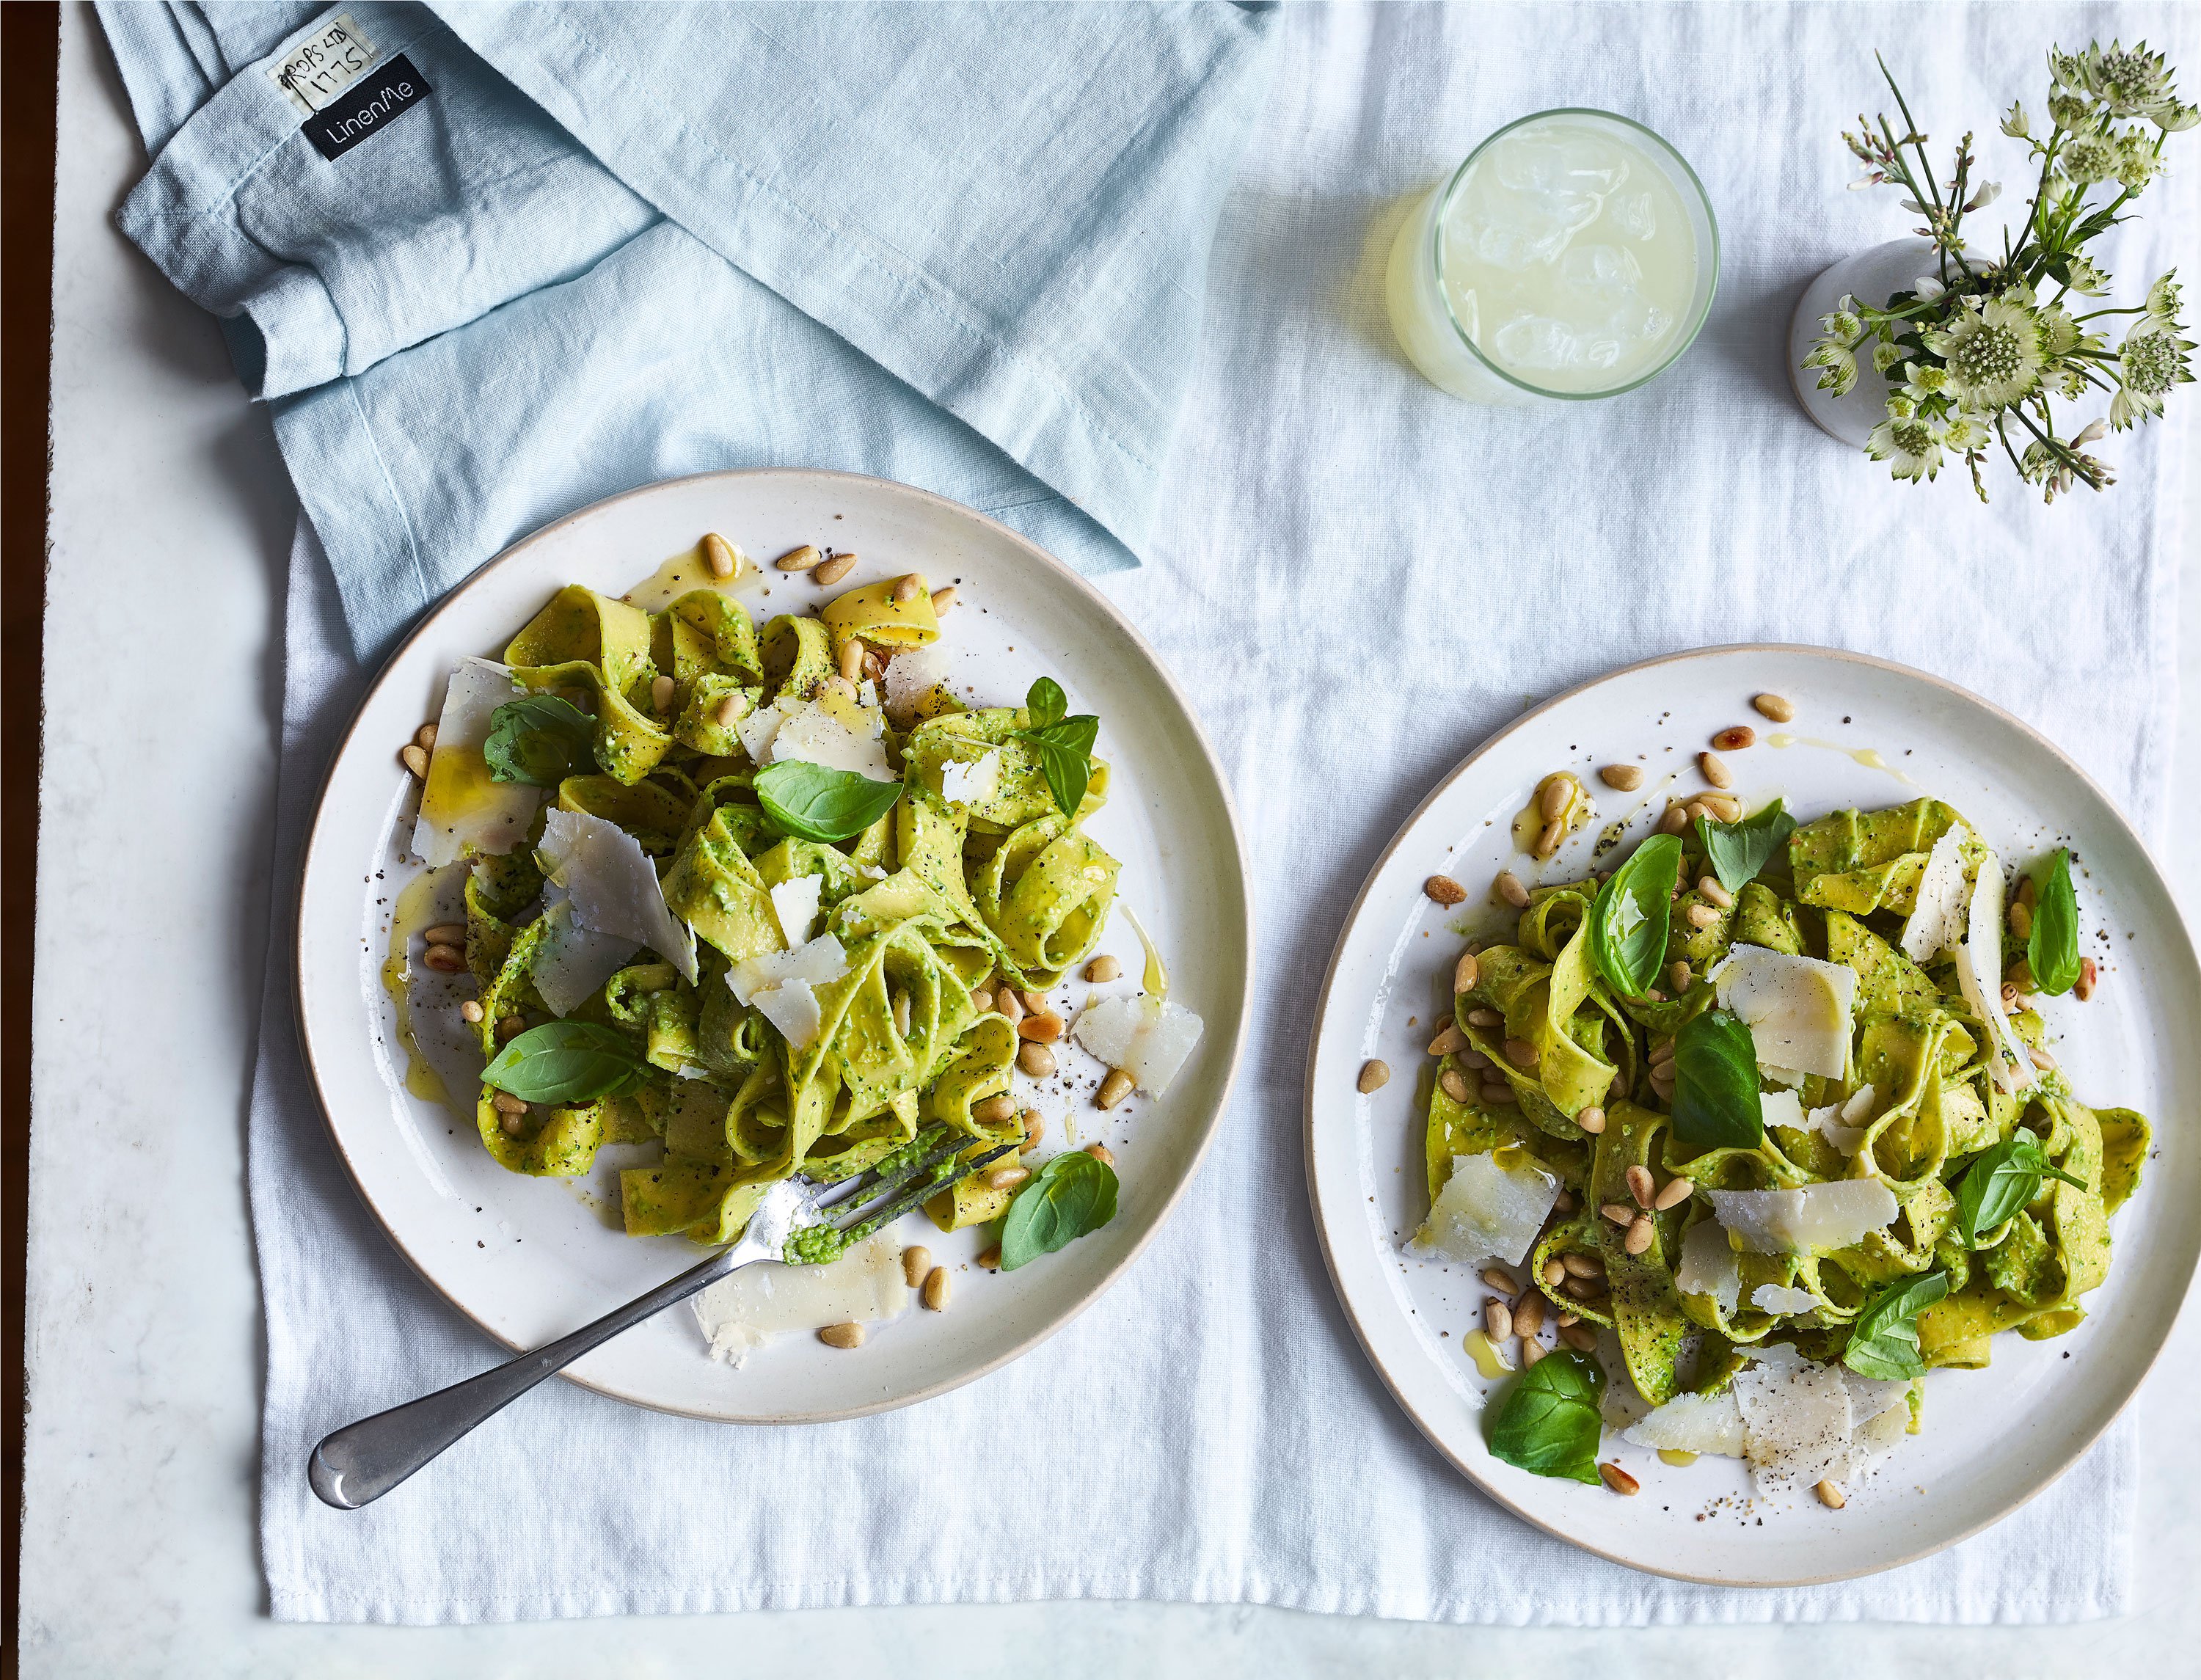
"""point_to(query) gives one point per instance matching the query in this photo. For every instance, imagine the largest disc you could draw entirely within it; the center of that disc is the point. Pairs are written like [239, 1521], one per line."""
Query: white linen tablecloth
[1357, 577]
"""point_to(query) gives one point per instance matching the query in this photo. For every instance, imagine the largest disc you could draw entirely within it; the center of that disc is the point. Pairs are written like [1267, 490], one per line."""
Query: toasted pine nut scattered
[2089, 978]
[1724, 807]
[1831, 1495]
[1036, 1060]
[1448, 1043]
[1676, 820]
[995, 1110]
[1099, 1153]
[728, 712]
[1034, 1001]
[1497, 1320]
[916, 1262]
[2021, 919]
[841, 1336]
[1626, 778]
[1580, 1265]
[1492, 1277]
[1043, 1028]
[1466, 972]
[1582, 1289]
[444, 959]
[512, 1124]
[1531, 1351]
[719, 554]
[1529, 1313]
[852, 660]
[1662, 1051]
[446, 933]
[470, 1011]
[1103, 969]
[1495, 1094]
[1511, 890]
[1443, 889]
[1562, 1201]
[1006, 1177]
[1639, 1184]
[1566, 1319]
[509, 1028]
[414, 760]
[2028, 894]
[1113, 1088]
[1007, 1002]
[1034, 1130]
[1547, 841]
[830, 571]
[1695, 811]
[1677, 1191]
[1773, 706]
[1735, 739]
[1552, 1274]
[1715, 770]
[506, 1103]
[1619, 1212]
[1553, 797]
[1521, 1053]
[1618, 1479]
[1485, 1017]
[425, 738]
[1454, 1084]
[2043, 1062]
[1639, 1236]
[990, 1258]
[1375, 1075]
[982, 1001]
[662, 688]
[1712, 892]
[1677, 976]
[943, 598]
[906, 588]
[1591, 1119]
[1701, 915]
[1582, 1337]
[936, 1291]
[799, 559]
[2020, 974]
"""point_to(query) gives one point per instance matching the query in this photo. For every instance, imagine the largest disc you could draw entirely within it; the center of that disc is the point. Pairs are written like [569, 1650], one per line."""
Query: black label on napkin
[378, 99]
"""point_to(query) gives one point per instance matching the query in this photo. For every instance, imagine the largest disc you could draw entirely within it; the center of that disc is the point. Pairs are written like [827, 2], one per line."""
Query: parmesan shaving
[1817, 1218]
[464, 810]
[614, 885]
[1797, 1008]
[1486, 1212]
[1146, 1037]
[795, 903]
[1938, 915]
[1709, 1265]
[1692, 1424]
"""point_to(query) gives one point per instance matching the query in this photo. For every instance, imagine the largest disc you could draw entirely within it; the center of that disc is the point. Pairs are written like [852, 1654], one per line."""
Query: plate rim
[2161, 1333]
[1033, 552]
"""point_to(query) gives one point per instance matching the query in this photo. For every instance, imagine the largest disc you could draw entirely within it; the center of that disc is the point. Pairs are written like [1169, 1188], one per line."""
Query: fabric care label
[375, 101]
[320, 64]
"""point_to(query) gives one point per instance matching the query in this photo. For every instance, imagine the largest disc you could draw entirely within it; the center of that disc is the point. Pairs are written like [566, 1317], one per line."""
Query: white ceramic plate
[529, 1259]
[1991, 1438]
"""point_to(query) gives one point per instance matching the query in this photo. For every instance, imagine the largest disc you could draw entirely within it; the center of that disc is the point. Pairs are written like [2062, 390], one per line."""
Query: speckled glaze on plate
[1866, 733]
[528, 1258]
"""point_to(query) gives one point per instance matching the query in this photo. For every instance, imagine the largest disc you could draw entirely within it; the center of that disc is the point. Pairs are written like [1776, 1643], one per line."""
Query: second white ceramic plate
[529, 1259]
[1866, 734]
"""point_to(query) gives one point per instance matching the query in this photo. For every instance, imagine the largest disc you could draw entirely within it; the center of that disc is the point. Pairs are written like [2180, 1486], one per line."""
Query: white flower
[1885, 356]
[1839, 367]
[1843, 324]
[2086, 279]
[1988, 193]
[2068, 110]
[2175, 119]
[2091, 432]
[2131, 84]
[1993, 353]
[2015, 123]
[1911, 447]
[1921, 382]
[2151, 362]
[1926, 288]
[2137, 162]
[1966, 434]
[2163, 299]
[2089, 158]
[1913, 206]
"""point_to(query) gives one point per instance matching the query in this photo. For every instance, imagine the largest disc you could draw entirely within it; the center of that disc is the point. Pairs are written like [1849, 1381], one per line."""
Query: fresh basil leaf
[1548, 1423]
[564, 1062]
[1884, 1340]
[1045, 704]
[1065, 757]
[812, 802]
[1737, 851]
[1628, 924]
[2051, 951]
[539, 739]
[1073, 1196]
[2000, 1181]
[1715, 1100]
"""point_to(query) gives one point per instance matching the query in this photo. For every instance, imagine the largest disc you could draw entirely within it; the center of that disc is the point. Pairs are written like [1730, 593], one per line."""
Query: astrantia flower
[1838, 366]
[2016, 124]
[1993, 355]
[2088, 158]
[1912, 448]
[1965, 434]
[2163, 299]
[2137, 162]
[2151, 362]
[1843, 324]
[2086, 279]
[1885, 356]
[2172, 118]
[2059, 333]
[2069, 110]
[2131, 83]
[1921, 382]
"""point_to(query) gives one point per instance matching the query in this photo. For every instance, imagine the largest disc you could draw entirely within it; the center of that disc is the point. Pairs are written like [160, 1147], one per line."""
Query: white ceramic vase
[1871, 277]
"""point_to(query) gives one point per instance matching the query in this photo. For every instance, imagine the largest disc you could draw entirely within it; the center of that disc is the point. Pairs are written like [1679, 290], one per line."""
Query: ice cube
[1518, 230]
[1635, 216]
[1546, 157]
[1605, 270]
[1539, 342]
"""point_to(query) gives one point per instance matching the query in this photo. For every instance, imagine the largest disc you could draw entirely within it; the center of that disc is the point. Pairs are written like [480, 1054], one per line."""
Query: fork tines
[889, 1200]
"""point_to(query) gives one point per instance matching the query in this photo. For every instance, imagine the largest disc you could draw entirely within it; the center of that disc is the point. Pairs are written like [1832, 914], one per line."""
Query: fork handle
[362, 1461]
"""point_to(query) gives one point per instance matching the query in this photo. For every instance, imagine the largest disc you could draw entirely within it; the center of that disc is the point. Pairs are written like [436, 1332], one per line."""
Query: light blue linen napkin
[955, 245]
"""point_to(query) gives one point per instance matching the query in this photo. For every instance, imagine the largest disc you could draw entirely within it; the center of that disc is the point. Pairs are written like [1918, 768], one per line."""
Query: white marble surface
[171, 518]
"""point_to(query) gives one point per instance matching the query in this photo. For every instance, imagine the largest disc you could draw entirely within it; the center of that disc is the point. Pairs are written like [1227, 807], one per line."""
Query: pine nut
[1735, 739]
[1831, 1495]
[1495, 1095]
[2020, 974]
[661, 690]
[1773, 706]
[1639, 1184]
[1554, 798]
[852, 660]
[1034, 1001]
[2027, 895]
[990, 1258]
[1497, 1320]
[1582, 1289]
[1036, 1060]
[1454, 1084]
[916, 1262]
[1043, 1028]
[1374, 1076]
[906, 588]
[1485, 1018]
[506, 1103]
[799, 559]
[1450, 1041]
[1701, 915]
[1591, 1119]
[942, 599]
[1521, 1053]
[1547, 842]
[414, 760]
[936, 1287]
[1466, 972]
[509, 1028]
[1552, 1274]
[1619, 1212]
[1528, 1314]
[829, 572]
[1677, 1191]
[718, 556]
[1562, 1201]
[1626, 778]
[2089, 978]
[2043, 1062]
[1034, 1130]
[425, 738]
[1496, 1279]
[2021, 920]
[1511, 890]
[470, 1011]
[1113, 1088]
[1006, 1003]
[1531, 1351]
[995, 1111]
[1101, 970]
[1443, 889]
[1722, 808]
[728, 712]
[444, 959]
[1580, 1265]
[447, 933]
[2009, 995]
[1618, 1479]
[842, 1335]
[512, 1124]
[1582, 1337]
[1099, 1153]
[1714, 771]
[1676, 820]
[1006, 1177]
[1677, 976]
[1639, 1236]
[1662, 1051]
[1566, 1319]
[983, 1002]
[1712, 892]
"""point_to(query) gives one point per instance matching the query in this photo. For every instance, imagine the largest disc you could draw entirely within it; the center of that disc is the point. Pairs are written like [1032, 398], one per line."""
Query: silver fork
[362, 1461]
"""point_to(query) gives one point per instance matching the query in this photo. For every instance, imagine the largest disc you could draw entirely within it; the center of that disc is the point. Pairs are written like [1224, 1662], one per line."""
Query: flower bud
[2016, 124]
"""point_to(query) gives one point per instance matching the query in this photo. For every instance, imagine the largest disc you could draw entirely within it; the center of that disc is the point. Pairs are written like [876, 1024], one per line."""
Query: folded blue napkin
[491, 264]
